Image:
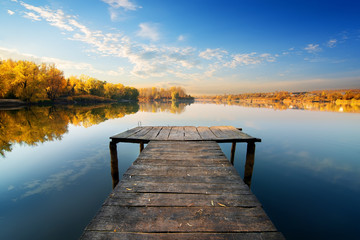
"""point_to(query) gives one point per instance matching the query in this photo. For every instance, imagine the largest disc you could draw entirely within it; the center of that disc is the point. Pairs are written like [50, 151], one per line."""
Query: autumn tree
[27, 84]
[54, 81]
[7, 76]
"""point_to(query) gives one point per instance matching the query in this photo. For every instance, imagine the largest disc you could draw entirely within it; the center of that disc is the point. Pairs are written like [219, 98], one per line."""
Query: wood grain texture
[181, 190]
[127, 133]
[187, 133]
[182, 236]
[181, 219]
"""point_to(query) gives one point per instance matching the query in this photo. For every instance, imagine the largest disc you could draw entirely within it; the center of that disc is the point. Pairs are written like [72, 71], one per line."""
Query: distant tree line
[313, 96]
[173, 93]
[32, 82]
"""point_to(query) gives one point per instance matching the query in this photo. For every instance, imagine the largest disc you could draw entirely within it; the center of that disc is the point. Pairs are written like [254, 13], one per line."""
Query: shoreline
[285, 101]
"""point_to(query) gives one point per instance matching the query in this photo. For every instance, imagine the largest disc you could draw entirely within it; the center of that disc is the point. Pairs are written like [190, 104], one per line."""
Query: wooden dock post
[141, 146]
[114, 164]
[233, 148]
[249, 164]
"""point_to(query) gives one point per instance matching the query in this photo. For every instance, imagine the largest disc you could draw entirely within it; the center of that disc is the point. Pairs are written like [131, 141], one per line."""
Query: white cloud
[10, 12]
[32, 16]
[55, 18]
[312, 48]
[331, 43]
[181, 38]
[147, 60]
[149, 31]
[249, 59]
[58, 180]
[115, 5]
[210, 54]
[125, 4]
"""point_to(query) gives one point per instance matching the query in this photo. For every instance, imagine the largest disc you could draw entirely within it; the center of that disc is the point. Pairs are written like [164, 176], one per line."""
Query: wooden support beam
[114, 164]
[141, 146]
[249, 164]
[233, 148]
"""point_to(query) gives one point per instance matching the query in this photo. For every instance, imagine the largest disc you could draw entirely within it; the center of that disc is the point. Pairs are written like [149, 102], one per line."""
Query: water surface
[55, 164]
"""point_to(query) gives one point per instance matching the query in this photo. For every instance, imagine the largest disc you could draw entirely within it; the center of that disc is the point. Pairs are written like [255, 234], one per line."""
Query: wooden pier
[182, 186]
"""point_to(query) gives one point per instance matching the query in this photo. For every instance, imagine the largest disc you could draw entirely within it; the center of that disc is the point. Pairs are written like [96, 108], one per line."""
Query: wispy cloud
[147, 60]
[56, 18]
[181, 38]
[57, 181]
[331, 43]
[250, 59]
[32, 16]
[149, 31]
[117, 5]
[10, 12]
[312, 48]
[210, 54]
[124, 4]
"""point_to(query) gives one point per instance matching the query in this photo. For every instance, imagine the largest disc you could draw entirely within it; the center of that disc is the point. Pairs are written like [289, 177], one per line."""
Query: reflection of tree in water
[175, 107]
[35, 125]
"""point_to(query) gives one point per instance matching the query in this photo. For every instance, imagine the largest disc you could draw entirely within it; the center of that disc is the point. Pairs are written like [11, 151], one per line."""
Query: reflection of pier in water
[182, 185]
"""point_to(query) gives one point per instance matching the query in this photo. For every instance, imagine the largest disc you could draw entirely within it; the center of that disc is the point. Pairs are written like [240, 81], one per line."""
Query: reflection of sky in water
[306, 166]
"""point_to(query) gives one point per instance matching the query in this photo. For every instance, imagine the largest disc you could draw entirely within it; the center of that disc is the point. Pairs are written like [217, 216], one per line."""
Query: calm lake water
[55, 164]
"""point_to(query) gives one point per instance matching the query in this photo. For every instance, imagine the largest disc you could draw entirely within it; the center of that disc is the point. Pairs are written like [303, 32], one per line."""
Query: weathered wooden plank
[196, 163]
[165, 150]
[232, 133]
[141, 133]
[127, 133]
[229, 131]
[206, 134]
[164, 133]
[181, 200]
[219, 133]
[192, 134]
[184, 179]
[158, 148]
[183, 157]
[244, 135]
[152, 134]
[192, 149]
[177, 133]
[181, 190]
[193, 188]
[96, 235]
[185, 143]
[178, 171]
[180, 219]
[202, 152]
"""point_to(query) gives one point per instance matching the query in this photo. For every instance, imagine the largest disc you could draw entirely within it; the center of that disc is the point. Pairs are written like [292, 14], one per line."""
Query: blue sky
[206, 46]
